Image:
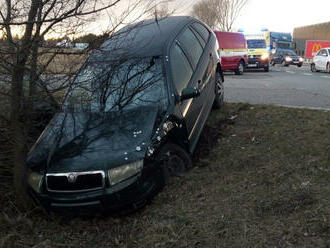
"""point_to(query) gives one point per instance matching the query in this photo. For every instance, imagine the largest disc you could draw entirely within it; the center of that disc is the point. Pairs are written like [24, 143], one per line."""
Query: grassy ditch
[261, 179]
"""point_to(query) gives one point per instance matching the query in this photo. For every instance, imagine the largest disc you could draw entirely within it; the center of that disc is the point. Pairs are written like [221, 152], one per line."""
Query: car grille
[75, 181]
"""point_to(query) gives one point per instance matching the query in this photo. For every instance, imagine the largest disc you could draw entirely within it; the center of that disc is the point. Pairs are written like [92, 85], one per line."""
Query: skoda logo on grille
[72, 178]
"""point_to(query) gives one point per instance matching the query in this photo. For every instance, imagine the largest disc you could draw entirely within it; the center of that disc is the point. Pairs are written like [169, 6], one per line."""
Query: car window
[199, 37]
[127, 84]
[191, 45]
[256, 43]
[290, 53]
[203, 31]
[180, 67]
[324, 52]
[319, 53]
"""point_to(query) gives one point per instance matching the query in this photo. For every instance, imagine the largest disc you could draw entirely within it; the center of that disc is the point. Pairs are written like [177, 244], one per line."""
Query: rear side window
[191, 45]
[199, 37]
[203, 31]
[180, 67]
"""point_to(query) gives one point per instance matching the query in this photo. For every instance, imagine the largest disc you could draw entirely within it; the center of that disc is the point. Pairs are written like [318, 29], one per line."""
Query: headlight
[35, 181]
[264, 56]
[123, 172]
[288, 59]
[301, 60]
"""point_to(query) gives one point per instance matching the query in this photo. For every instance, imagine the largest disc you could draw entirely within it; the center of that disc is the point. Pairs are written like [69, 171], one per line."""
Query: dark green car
[130, 119]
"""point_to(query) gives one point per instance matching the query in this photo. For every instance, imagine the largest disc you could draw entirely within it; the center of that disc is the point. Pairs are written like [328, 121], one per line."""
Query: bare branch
[220, 14]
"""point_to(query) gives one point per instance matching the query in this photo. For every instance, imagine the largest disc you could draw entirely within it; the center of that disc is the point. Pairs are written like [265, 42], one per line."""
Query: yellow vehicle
[258, 55]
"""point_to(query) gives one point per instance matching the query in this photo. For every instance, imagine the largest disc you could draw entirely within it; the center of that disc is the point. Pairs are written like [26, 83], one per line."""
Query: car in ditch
[130, 119]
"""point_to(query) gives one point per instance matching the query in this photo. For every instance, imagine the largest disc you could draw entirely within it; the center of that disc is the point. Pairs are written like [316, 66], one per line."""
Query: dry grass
[66, 61]
[263, 182]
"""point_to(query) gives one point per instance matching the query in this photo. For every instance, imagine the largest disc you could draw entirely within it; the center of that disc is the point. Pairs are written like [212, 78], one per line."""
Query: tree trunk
[19, 135]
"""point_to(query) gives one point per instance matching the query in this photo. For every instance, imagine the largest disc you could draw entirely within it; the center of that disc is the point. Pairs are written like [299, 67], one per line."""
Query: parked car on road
[233, 51]
[321, 61]
[286, 58]
[131, 118]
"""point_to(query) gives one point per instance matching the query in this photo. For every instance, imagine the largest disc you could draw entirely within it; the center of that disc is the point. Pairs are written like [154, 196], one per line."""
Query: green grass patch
[261, 179]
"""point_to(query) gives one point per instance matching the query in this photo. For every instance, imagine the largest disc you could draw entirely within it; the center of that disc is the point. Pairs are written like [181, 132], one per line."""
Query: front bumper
[298, 63]
[257, 62]
[128, 195]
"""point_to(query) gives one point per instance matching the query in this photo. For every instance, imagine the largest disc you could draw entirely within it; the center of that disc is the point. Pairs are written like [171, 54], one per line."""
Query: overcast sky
[284, 15]
[280, 15]
[275, 15]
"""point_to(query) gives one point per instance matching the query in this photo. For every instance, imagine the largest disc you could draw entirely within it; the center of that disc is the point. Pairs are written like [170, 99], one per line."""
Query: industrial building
[311, 32]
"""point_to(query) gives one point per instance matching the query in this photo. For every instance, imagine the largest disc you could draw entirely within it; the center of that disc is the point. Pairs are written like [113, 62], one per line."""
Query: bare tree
[22, 74]
[219, 14]
[205, 12]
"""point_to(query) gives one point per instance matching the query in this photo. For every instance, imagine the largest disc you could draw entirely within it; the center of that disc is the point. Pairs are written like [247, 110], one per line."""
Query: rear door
[205, 76]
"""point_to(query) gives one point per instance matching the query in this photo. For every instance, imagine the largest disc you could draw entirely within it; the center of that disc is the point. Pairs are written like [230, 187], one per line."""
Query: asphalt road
[287, 86]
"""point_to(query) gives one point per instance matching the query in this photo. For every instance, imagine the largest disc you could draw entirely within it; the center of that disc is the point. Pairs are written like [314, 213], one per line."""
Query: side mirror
[188, 93]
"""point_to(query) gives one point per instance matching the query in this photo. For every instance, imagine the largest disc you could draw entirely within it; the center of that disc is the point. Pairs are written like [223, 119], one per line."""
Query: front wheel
[240, 68]
[175, 160]
[313, 69]
[328, 68]
[219, 91]
[266, 69]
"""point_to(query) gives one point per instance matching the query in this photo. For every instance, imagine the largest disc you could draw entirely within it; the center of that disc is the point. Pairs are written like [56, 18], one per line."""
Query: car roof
[145, 38]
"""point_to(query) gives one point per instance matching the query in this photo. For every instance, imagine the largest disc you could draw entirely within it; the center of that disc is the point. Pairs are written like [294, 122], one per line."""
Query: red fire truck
[232, 51]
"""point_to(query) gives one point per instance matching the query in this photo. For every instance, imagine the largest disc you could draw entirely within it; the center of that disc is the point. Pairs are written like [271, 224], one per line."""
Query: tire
[299, 65]
[218, 100]
[240, 68]
[266, 69]
[313, 69]
[174, 159]
[284, 63]
[328, 68]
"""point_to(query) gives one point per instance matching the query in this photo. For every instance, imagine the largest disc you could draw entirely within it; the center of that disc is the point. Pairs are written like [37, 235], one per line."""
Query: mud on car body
[131, 118]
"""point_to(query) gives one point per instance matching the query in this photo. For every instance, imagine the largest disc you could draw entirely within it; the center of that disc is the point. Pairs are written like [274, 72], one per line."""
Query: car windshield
[256, 44]
[109, 86]
[290, 53]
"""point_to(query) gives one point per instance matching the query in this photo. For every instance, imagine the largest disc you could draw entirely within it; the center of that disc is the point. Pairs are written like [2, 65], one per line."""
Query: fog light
[35, 181]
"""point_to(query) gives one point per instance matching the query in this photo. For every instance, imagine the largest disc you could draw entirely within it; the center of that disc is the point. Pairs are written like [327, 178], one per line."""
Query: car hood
[93, 141]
